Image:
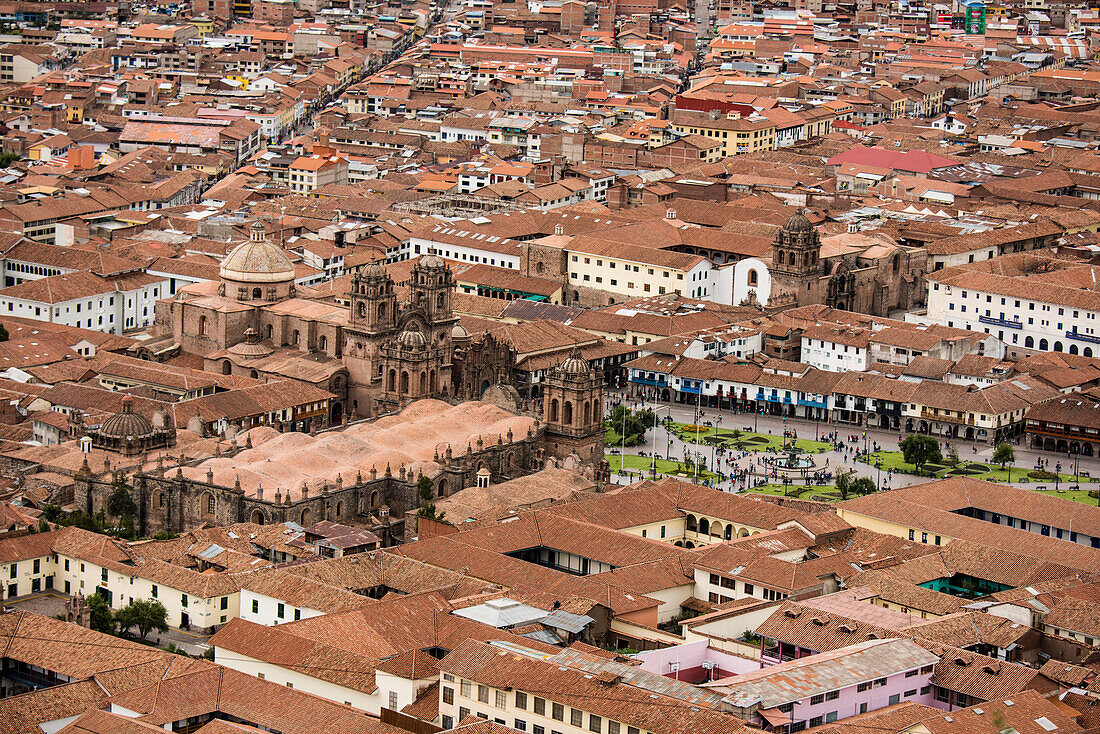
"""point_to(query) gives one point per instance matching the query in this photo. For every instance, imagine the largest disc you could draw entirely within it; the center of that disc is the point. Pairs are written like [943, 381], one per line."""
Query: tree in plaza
[1005, 455]
[844, 483]
[101, 619]
[863, 485]
[145, 614]
[631, 423]
[919, 450]
[689, 465]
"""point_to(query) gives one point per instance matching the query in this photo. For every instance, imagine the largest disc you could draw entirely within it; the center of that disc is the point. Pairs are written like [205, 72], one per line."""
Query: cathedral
[453, 415]
[855, 271]
[375, 357]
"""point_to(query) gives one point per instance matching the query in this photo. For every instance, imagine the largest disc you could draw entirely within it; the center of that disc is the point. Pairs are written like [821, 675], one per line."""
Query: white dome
[257, 262]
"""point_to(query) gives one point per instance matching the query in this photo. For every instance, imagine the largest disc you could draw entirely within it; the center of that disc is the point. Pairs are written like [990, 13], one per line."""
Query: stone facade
[168, 501]
[571, 436]
[854, 273]
[374, 358]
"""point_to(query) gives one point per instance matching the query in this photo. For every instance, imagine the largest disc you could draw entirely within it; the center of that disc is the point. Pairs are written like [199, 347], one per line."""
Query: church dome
[250, 348]
[374, 269]
[127, 424]
[431, 260]
[411, 340]
[574, 364]
[257, 261]
[798, 223]
[459, 332]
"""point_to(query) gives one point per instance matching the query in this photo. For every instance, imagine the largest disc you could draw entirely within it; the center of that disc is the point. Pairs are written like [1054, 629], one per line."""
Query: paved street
[667, 445]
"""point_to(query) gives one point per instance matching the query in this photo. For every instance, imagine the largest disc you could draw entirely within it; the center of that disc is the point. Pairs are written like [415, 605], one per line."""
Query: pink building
[831, 686]
[695, 662]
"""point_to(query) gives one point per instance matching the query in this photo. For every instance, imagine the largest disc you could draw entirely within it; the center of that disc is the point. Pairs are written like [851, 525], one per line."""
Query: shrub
[1045, 476]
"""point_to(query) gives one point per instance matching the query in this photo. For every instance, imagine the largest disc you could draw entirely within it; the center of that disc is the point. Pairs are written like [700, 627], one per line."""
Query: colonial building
[852, 271]
[375, 357]
[366, 473]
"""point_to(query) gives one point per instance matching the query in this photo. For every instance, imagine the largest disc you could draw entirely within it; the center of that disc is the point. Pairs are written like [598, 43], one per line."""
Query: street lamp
[653, 463]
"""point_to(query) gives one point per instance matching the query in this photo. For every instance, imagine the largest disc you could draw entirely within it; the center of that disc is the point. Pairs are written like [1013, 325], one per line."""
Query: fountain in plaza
[791, 463]
[791, 458]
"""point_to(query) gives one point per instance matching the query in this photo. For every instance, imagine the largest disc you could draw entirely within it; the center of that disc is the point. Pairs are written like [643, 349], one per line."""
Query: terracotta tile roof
[1026, 712]
[611, 697]
[68, 649]
[22, 714]
[426, 706]
[280, 647]
[934, 506]
[212, 689]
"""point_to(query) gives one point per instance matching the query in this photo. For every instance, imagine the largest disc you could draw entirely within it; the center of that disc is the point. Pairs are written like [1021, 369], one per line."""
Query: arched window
[729, 532]
[404, 383]
[270, 332]
[567, 413]
[1073, 349]
[362, 310]
[227, 367]
[322, 342]
[295, 338]
[208, 503]
[160, 499]
[1087, 352]
[692, 525]
[704, 526]
[1044, 345]
[306, 518]
[554, 410]
[254, 374]
[440, 301]
[1057, 346]
[780, 257]
[423, 383]
[754, 279]
[257, 293]
[587, 412]
[391, 381]
[897, 262]
[1029, 343]
[381, 310]
[339, 510]
[202, 326]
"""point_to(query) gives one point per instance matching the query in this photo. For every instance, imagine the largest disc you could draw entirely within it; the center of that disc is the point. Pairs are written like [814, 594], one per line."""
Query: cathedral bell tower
[373, 300]
[796, 251]
[573, 410]
[431, 287]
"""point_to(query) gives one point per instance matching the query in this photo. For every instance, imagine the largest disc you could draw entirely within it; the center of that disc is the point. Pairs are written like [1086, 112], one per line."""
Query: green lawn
[983, 470]
[781, 491]
[641, 465]
[747, 441]
[1077, 495]
[613, 438]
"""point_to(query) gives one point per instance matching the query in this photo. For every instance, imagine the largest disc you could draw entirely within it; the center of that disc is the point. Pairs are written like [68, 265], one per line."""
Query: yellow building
[738, 134]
